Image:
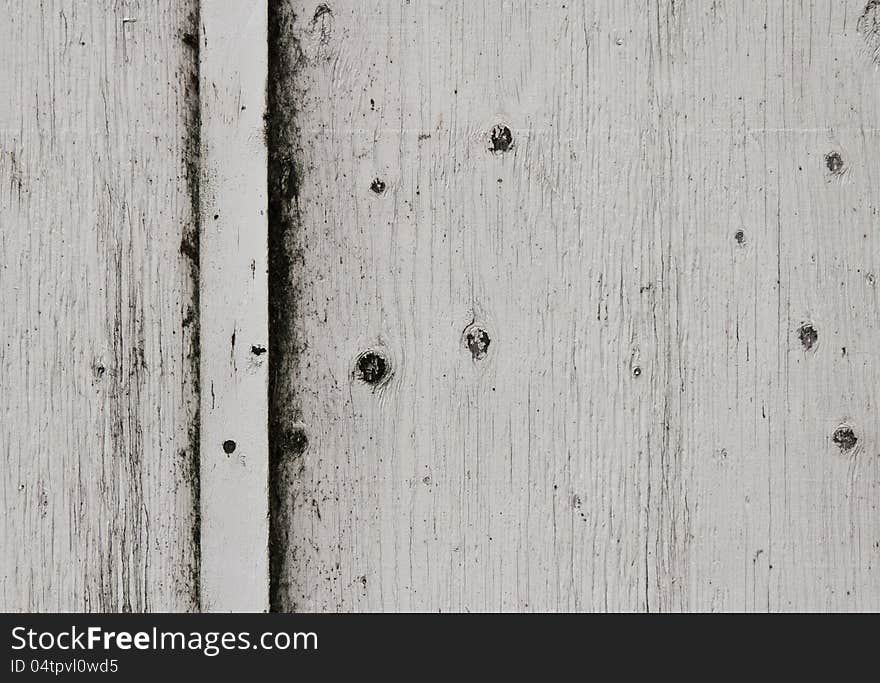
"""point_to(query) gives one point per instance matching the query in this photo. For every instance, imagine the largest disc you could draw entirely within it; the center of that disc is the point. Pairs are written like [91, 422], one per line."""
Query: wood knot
[740, 237]
[477, 341]
[834, 163]
[500, 139]
[229, 446]
[294, 441]
[378, 186]
[372, 367]
[845, 438]
[808, 336]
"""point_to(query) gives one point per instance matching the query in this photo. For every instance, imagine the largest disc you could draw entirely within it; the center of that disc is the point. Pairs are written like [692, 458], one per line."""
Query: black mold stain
[808, 336]
[190, 247]
[477, 341]
[845, 438]
[285, 95]
[500, 139]
[378, 186]
[293, 441]
[834, 163]
[258, 350]
[229, 446]
[740, 237]
[371, 367]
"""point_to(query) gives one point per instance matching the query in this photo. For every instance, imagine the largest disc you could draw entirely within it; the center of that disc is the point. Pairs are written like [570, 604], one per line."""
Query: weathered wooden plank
[234, 460]
[98, 414]
[598, 390]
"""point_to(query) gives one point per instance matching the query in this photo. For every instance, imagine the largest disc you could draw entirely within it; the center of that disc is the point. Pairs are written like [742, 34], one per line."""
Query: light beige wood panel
[98, 111]
[647, 429]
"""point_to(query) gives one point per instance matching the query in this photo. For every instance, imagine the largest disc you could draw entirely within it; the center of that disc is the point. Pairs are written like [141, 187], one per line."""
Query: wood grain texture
[98, 104]
[234, 308]
[647, 429]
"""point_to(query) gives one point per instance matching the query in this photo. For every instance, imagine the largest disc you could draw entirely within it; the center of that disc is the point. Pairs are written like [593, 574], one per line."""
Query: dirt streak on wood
[663, 217]
[98, 414]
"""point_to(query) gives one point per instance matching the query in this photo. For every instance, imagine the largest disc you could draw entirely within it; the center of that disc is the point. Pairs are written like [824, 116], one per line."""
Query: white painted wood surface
[233, 297]
[99, 403]
[647, 430]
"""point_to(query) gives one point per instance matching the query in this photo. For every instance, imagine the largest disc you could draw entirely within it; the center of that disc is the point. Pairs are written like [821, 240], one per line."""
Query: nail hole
[834, 162]
[229, 446]
[845, 438]
[739, 236]
[477, 341]
[808, 336]
[372, 367]
[501, 139]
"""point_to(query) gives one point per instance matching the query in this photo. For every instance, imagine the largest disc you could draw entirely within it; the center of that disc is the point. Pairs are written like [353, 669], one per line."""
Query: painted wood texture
[99, 408]
[674, 258]
[234, 308]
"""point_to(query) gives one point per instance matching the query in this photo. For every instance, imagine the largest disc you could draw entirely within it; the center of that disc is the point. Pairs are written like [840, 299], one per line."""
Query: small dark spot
[371, 367]
[216, 216]
[477, 340]
[834, 162]
[501, 139]
[845, 438]
[637, 371]
[842, 350]
[808, 336]
[191, 40]
[378, 186]
[229, 446]
[739, 236]
[424, 136]
[258, 350]
[99, 370]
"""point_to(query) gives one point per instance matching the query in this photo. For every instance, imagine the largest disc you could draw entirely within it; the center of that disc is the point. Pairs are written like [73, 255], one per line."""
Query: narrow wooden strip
[233, 302]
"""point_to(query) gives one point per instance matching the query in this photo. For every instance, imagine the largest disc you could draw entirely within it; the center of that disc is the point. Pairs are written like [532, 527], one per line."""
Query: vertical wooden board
[234, 308]
[516, 481]
[775, 324]
[98, 118]
[646, 429]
